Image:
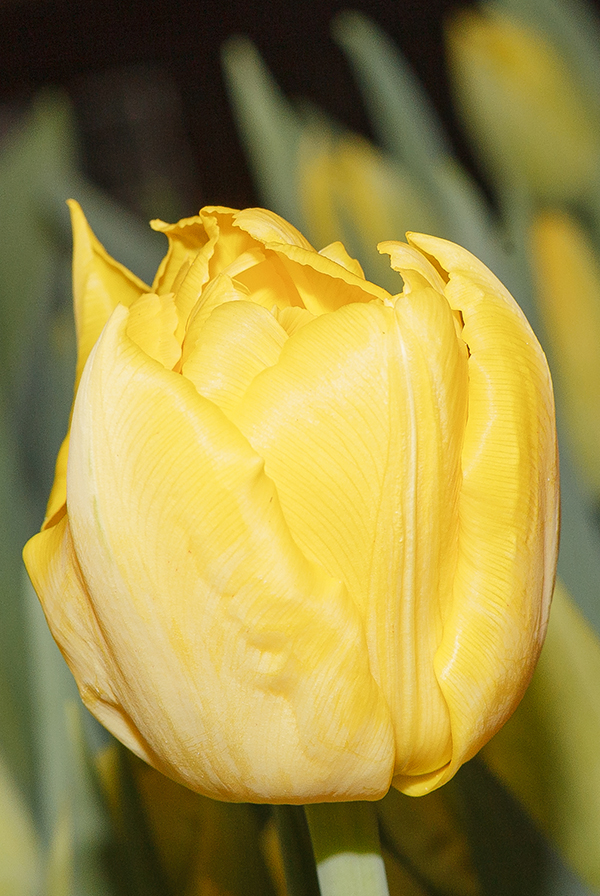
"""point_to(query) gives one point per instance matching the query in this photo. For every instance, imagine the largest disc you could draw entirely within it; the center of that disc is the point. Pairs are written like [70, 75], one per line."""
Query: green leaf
[402, 113]
[407, 125]
[510, 853]
[15, 522]
[268, 126]
[548, 752]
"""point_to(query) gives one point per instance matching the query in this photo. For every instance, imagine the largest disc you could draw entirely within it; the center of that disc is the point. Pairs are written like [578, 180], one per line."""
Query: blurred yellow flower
[350, 190]
[303, 543]
[526, 110]
[567, 274]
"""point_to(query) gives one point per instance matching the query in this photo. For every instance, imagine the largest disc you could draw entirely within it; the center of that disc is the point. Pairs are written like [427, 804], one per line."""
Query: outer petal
[99, 284]
[410, 262]
[361, 424]
[240, 663]
[57, 502]
[57, 578]
[508, 510]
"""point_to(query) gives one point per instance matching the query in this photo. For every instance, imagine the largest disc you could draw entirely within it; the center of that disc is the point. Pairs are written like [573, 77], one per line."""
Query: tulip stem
[347, 851]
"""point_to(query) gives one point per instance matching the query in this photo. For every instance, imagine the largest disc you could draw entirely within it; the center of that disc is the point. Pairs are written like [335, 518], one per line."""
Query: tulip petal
[99, 284]
[242, 664]
[200, 248]
[55, 573]
[360, 424]
[337, 252]
[152, 325]
[234, 345]
[410, 262]
[57, 502]
[291, 319]
[186, 240]
[264, 279]
[323, 284]
[508, 511]
[267, 227]
[219, 291]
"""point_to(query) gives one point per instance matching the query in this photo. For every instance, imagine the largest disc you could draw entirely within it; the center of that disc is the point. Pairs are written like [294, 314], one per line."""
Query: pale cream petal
[361, 424]
[236, 343]
[99, 284]
[241, 663]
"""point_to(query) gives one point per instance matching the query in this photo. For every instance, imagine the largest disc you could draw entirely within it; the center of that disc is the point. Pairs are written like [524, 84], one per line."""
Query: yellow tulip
[301, 543]
[523, 104]
[567, 275]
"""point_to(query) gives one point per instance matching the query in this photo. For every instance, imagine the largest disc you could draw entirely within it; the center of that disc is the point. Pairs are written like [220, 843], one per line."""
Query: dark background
[146, 81]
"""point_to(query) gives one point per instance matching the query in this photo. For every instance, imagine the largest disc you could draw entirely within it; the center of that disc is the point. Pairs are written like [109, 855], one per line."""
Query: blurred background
[145, 80]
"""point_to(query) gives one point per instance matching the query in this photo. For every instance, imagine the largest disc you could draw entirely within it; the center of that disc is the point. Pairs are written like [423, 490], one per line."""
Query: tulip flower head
[302, 538]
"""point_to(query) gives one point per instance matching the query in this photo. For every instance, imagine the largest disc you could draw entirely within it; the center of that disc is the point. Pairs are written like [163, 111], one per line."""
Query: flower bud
[301, 544]
[524, 106]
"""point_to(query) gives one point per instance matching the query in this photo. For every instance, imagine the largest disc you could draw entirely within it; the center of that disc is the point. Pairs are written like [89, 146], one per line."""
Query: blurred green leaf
[296, 850]
[15, 733]
[52, 687]
[268, 125]
[73, 821]
[428, 838]
[403, 115]
[510, 854]
[406, 123]
[548, 752]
